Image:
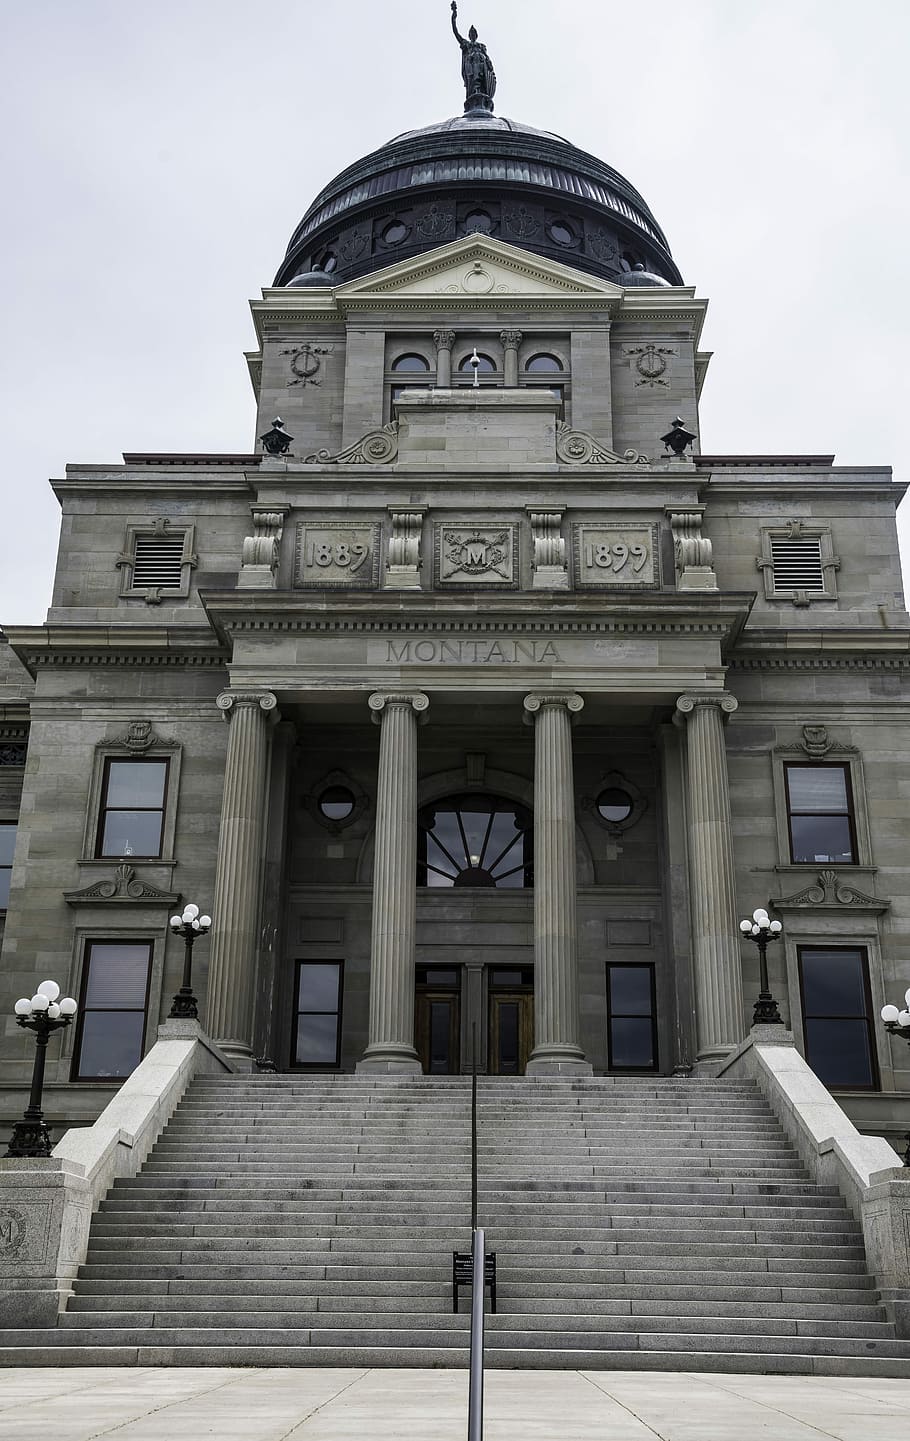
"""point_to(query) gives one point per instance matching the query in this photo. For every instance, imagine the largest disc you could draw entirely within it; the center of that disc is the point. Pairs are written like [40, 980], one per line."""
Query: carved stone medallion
[337, 554]
[475, 555]
[306, 363]
[614, 554]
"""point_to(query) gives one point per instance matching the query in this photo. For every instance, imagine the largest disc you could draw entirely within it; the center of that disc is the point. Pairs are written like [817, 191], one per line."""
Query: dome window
[543, 365]
[562, 233]
[486, 366]
[327, 263]
[478, 221]
[395, 232]
[411, 362]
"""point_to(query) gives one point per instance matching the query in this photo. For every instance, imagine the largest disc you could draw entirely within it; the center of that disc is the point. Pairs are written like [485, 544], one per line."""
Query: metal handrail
[478, 1256]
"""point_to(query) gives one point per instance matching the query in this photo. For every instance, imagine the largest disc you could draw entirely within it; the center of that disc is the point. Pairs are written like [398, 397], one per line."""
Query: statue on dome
[476, 68]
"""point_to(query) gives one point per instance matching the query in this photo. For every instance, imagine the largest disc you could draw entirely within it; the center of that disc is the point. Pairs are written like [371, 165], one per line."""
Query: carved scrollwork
[124, 885]
[229, 699]
[817, 743]
[379, 701]
[831, 889]
[577, 447]
[377, 447]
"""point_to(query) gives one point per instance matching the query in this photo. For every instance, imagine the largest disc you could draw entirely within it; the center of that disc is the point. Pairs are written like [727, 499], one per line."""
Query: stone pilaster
[715, 932]
[511, 339]
[444, 339]
[391, 1040]
[556, 1020]
[235, 906]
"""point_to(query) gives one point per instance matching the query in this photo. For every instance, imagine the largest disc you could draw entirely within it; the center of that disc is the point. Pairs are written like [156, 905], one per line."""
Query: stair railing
[478, 1256]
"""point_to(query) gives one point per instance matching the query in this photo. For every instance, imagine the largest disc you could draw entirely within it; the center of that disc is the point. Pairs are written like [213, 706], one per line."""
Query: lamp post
[190, 925]
[898, 1023]
[43, 1014]
[762, 930]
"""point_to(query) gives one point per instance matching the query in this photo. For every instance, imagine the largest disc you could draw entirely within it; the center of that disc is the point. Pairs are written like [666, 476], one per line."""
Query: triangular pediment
[476, 267]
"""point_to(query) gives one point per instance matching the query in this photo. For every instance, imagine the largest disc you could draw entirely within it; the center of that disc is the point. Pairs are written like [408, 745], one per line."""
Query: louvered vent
[797, 563]
[158, 561]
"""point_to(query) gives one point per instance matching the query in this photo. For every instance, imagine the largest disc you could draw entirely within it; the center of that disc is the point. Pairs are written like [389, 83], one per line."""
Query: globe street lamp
[762, 930]
[43, 1014]
[190, 925]
[898, 1023]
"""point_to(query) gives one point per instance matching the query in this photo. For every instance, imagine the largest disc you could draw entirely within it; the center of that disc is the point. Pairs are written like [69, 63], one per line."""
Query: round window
[561, 233]
[394, 233]
[336, 803]
[615, 805]
[478, 220]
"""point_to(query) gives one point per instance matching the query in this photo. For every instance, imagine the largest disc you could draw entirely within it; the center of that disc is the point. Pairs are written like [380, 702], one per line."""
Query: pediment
[476, 268]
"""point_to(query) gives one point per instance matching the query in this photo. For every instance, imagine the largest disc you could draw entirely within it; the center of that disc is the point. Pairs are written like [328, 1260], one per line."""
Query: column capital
[229, 700]
[687, 703]
[537, 701]
[511, 339]
[444, 339]
[380, 700]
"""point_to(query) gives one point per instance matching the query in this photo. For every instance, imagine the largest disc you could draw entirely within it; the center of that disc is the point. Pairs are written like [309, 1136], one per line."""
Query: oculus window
[132, 808]
[631, 1022]
[475, 840]
[111, 1029]
[7, 847]
[834, 984]
[820, 814]
[317, 1022]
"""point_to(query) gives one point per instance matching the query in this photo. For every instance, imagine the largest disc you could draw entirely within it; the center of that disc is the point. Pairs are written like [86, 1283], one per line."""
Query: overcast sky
[156, 158]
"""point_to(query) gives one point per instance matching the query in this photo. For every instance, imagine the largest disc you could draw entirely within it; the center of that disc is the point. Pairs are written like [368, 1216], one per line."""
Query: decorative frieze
[693, 551]
[474, 556]
[549, 560]
[338, 554]
[403, 561]
[831, 890]
[615, 554]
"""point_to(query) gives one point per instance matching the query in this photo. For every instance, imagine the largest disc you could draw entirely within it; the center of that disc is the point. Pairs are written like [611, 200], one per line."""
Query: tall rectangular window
[631, 1019]
[7, 847]
[317, 1035]
[111, 1027]
[132, 808]
[836, 1015]
[820, 814]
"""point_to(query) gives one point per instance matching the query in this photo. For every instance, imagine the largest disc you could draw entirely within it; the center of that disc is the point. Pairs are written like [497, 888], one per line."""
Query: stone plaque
[616, 554]
[341, 554]
[473, 556]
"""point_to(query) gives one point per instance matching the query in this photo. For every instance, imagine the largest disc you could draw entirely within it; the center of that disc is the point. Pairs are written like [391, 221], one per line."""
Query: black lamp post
[43, 1014]
[898, 1023]
[190, 926]
[762, 930]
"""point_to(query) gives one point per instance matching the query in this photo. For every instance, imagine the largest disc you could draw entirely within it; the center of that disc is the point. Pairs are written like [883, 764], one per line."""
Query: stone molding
[549, 562]
[817, 744]
[577, 447]
[831, 890]
[694, 552]
[536, 701]
[122, 887]
[260, 552]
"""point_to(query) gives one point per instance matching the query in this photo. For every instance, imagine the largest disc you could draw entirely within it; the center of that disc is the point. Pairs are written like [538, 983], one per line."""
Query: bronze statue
[476, 68]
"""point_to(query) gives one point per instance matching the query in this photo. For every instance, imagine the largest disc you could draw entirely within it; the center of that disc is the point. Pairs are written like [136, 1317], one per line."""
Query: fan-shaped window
[475, 840]
[410, 362]
[486, 366]
[543, 365]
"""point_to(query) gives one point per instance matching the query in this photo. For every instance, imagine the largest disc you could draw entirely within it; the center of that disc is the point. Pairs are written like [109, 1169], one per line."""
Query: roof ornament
[476, 69]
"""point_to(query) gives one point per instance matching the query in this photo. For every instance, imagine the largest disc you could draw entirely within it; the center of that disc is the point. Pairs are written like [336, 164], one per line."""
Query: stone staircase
[639, 1224]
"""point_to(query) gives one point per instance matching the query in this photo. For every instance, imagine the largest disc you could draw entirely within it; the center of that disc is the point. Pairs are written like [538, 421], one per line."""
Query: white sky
[156, 158]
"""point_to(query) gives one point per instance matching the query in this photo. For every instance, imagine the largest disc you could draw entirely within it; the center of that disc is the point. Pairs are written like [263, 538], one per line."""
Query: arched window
[410, 362]
[486, 366]
[475, 840]
[543, 365]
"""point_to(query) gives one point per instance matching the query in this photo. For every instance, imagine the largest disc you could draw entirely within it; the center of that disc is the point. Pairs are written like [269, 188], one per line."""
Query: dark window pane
[131, 833]
[117, 976]
[486, 366]
[507, 978]
[7, 844]
[508, 1038]
[410, 362]
[817, 788]
[440, 1031]
[543, 364]
[438, 978]
[336, 803]
[630, 990]
[821, 838]
[838, 1052]
[319, 986]
[111, 1042]
[833, 983]
[4, 888]
[317, 1040]
[136, 783]
[631, 1041]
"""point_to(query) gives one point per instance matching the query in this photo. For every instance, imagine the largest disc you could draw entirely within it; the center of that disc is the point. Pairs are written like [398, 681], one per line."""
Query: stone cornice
[120, 645]
[856, 648]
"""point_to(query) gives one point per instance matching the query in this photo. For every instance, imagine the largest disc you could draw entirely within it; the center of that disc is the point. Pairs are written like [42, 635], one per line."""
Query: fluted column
[444, 339]
[391, 1040]
[511, 339]
[235, 906]
[556, 1022]
[715, 933]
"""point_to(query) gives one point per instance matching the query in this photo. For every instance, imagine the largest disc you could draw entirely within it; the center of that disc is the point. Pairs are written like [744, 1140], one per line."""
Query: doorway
[437, 1019]
[511, 1019]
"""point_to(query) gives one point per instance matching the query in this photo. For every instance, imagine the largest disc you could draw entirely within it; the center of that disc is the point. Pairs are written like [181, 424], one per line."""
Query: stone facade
[537, 601]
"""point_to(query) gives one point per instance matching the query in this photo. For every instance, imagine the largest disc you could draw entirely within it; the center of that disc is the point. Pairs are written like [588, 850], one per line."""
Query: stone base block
[551, 1066]
[390, 1066]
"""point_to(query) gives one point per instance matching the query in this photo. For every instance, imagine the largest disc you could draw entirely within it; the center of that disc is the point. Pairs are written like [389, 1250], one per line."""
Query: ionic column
[556, 1022]
[715, 933]
[391, 1040]
[444, 339]
[235, 906]
[511, 339]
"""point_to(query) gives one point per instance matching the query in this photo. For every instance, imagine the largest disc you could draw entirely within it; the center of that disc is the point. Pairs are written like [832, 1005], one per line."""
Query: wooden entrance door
[511, 1020]
[437, 1020]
